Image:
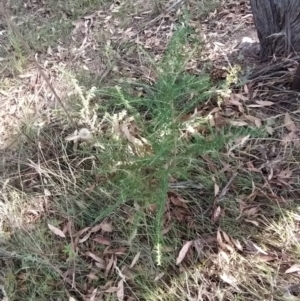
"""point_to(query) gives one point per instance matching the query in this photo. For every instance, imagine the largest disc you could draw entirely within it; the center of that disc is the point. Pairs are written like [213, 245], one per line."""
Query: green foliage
[144, 178]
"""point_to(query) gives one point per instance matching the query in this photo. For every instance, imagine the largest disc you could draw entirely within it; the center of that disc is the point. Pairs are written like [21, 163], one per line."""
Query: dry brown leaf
[288, 123]
[72, 137]
[56, 231]
[216, 188]
[237, 244]
[181, 214]
[270, 130]
[178, 201]
[251, 246]
[106, 227]
[226, 237]
[251, 167]
[255, 223]
[92, 276]
[241, 97]
[216, 214]
[67, 228]
[96, 228]
[222, 255]
[266, 258]
[270, 176]
[262, 103]
[211, 121]
[129, 136]
[219, 120]
[294, 268]
[238, 123]
[228, 248]
[96, 258]
[251, 211]
[227, 278]
[241, 141]
[255, 93]
[238, 104]
[126, 273]
[183, 252]
[112, 260]
[285, 174]
[135, 259]
[79, 233]
[47, 192]
[254, 119]
[93, 296]
[101, 240]
[219, 238]
[85, 238]
[112, 289]
[99, 265]
[159, 276]
[221, 243]
[120, 291]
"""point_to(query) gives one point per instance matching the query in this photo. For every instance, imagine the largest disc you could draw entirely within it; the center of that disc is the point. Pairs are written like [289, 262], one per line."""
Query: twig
[16, 31]
[219, 198]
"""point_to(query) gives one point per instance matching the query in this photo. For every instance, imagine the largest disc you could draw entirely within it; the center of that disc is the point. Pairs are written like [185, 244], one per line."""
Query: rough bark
[278, 26]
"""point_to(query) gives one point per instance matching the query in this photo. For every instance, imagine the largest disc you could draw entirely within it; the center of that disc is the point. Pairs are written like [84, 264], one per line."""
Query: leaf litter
[240, 109]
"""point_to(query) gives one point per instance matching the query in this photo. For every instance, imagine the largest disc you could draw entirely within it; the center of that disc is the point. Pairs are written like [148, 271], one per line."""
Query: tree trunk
[278, 26]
